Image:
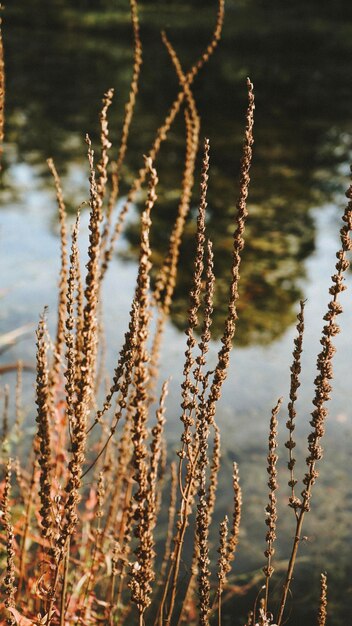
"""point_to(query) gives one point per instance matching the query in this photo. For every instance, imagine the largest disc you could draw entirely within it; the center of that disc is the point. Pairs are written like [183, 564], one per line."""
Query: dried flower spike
[294, 502]
[322, 615]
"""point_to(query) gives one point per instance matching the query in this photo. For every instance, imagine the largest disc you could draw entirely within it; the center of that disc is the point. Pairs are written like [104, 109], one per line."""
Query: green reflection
[61, 58]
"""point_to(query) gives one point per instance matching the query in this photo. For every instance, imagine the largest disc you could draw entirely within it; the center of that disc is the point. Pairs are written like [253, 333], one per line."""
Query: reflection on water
[257, 376]
[61, 59]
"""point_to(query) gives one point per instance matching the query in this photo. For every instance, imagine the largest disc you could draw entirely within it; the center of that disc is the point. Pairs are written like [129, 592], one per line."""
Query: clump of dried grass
[83, 551]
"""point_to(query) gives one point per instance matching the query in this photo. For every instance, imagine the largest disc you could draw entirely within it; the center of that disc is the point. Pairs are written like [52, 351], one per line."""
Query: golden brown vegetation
[78, 526]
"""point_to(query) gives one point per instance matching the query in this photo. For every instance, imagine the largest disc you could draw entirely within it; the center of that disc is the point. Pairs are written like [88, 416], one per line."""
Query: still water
[60, 59]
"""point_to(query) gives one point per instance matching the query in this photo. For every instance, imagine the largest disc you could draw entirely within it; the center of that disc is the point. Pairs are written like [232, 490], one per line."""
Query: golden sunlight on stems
[161, 134]
[142, 574]
[63, 275]
[236, 514]
[43, 433]
[166, 279]
[88, 362]
[100, 547]
[206, 501]
[227, 548]
[71, 352]
[170, 524]
[271, 508]
[322, 390]
[9, 579]
[156, 450]
[105, 145]
[202, 516]
[290, 424]
[188, 405]
[129, 110]
[222, 563]
[189, 389]
[238, 245]
[26, 529]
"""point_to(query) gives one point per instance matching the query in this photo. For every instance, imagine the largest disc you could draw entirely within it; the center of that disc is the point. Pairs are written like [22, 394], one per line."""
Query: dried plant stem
[96, 547]
[170, 524]
[115, 499]
[290, 424]
[322, 615]
[21, 482]
[183, 80]
[9, 580]
[175, 559]
[236, 515]
[238, 245]
[44, 437]
[202, 519]
[124, 537]
[26, 528]
[79, 316]
[142, 574]
[271, 508]
[92, 291]
[233, 538]
[187, 497]
[189, 392]
[222, 563]
[121, 378]
[206, 500]
[190, 591]
[162, 133]
[221, 368]
[122, 469]
[71, 352]
[105, 144]
[139, 324]
[166, 279]
[214, 470]
[64, 584]
[223, 359]
[129, 109]
[322, 390]
[88, 364]
[18, 399]
[85, 384]
[63, 274]
[102, 374]
[154, 478]
[155, 352]
[114, 572]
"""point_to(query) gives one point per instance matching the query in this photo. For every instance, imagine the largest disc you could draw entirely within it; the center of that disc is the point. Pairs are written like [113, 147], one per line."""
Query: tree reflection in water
[61, 59]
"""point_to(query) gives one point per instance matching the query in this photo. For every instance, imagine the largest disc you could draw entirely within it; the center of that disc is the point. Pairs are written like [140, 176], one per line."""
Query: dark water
[60, 59]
